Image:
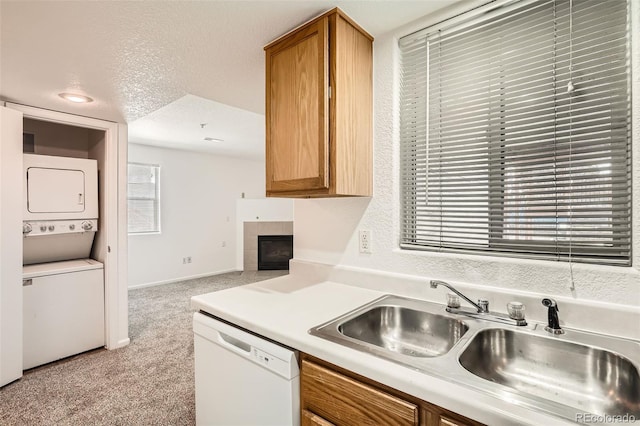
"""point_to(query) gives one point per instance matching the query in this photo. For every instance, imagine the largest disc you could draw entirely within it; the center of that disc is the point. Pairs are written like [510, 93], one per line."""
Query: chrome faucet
[482, 308]
[554, 322]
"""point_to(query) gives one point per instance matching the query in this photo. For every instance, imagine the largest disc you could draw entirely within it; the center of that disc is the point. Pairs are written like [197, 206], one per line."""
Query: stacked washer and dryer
[63, 287]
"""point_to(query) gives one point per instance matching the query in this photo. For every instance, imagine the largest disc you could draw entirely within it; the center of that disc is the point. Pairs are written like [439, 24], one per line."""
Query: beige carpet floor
[148, 382]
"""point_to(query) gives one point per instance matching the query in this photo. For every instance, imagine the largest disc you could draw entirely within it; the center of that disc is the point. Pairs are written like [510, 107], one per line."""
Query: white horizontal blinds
[413, 136]
[143, 198]
[497, 155]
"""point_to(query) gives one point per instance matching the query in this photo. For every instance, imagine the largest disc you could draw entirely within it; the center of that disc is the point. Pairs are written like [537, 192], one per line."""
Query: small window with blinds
[515, 132]
[143, 195]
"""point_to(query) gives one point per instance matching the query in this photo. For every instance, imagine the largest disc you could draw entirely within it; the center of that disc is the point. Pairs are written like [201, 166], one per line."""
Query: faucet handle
[515, 310]
[453, 300]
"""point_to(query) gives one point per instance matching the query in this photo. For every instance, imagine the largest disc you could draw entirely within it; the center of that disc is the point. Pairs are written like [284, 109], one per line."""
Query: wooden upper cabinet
[319, 101]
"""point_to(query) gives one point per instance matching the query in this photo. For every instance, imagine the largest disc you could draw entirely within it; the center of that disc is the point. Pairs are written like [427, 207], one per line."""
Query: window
[143, 194]
[515, 132]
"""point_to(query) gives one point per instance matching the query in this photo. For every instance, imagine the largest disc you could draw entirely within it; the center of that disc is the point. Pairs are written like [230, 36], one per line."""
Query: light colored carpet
[148, 382]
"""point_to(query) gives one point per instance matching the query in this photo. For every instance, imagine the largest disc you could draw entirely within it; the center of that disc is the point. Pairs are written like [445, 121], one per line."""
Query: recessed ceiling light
[208, 139]
[80, 99]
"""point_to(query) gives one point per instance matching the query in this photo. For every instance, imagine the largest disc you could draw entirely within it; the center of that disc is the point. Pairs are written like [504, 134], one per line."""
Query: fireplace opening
[274, 252]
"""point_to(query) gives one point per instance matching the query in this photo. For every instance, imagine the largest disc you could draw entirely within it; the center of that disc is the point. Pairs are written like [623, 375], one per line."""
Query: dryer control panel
[52, 227]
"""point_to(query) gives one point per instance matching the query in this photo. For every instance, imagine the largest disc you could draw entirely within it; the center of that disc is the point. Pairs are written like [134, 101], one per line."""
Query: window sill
[144, 233]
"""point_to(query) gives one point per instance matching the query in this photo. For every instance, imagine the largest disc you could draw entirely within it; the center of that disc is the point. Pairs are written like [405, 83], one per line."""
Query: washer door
[55, 190]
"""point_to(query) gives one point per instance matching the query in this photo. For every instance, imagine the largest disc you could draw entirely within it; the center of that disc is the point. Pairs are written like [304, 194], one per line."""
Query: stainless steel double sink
[565, 375]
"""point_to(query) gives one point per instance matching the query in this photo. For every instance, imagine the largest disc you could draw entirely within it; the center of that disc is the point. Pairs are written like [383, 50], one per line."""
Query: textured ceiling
[179, 125]
[134, 57]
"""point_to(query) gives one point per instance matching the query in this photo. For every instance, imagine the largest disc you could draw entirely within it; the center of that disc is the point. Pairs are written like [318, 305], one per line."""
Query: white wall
[198, 213]
[259, 210]
[326, 229]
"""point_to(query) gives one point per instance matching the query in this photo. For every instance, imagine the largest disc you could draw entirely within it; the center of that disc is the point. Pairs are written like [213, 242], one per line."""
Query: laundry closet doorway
[61, 135]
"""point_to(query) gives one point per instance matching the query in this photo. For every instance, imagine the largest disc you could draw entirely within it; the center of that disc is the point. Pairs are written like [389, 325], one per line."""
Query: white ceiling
[179, 125]
[136, 57]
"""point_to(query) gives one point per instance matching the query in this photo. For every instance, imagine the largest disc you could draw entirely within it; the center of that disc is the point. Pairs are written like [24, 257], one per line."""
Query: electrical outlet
[365, 241]
[189, 259]
[184, 260]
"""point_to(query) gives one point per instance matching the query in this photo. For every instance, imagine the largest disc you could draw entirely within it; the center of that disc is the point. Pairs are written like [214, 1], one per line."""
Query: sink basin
[405, 331]
[584, 377]
[570, 375]
[396, 328]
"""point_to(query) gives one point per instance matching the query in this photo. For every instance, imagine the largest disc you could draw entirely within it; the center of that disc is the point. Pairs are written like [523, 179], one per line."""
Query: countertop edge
[268, 322]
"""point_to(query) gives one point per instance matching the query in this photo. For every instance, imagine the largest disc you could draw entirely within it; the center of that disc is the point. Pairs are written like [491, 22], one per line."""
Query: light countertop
[285, 308]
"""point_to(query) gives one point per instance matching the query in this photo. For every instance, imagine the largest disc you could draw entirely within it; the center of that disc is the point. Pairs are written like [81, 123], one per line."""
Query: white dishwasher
[243, 379]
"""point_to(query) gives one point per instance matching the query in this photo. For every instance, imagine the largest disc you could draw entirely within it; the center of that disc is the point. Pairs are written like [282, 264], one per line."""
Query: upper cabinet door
[297, 110]
[319, 110]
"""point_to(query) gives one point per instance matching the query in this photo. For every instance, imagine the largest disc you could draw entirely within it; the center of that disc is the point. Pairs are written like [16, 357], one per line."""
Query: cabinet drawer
[344, 401]
[310, 419]
[438, 416]
[445, 421]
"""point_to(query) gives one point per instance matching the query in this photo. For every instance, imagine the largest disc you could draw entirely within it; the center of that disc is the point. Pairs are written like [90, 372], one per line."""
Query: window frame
[496, 197]
[156, 199]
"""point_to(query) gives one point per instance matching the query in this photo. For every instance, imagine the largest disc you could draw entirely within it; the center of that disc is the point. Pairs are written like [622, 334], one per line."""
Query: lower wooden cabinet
[438, 416]
[310, 419]
[445, 421]
[331, 395]
[343, 400]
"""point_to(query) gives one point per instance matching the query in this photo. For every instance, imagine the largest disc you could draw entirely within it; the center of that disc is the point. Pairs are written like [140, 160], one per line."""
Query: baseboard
[175, 280]
[119, 344]
[122, 343]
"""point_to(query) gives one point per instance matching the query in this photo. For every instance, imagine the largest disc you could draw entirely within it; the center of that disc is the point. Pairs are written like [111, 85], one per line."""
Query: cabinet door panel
[297, 109]
[346, 401]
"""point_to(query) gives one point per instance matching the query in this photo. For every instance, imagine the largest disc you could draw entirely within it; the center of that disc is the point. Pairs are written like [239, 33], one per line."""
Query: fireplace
[250, 234]
[274, 251]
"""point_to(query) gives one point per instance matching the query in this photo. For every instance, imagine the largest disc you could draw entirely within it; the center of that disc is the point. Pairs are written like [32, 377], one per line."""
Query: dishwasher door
[243, 379]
